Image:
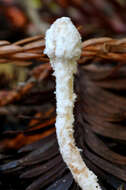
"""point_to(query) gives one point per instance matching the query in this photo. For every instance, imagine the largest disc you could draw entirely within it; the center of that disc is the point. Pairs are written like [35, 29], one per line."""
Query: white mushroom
[63, 47]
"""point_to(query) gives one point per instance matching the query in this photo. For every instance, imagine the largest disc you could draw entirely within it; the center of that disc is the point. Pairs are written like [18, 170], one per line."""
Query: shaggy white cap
[63, 40]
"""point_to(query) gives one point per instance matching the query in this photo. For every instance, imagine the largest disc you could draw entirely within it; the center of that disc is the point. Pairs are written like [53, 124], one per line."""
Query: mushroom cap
[63, 40]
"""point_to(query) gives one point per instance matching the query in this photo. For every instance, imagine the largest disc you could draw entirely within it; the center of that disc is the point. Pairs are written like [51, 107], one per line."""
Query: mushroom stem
[63, 46]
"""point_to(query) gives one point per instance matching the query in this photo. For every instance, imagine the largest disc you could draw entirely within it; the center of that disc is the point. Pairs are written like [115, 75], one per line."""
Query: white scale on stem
[63, 47]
